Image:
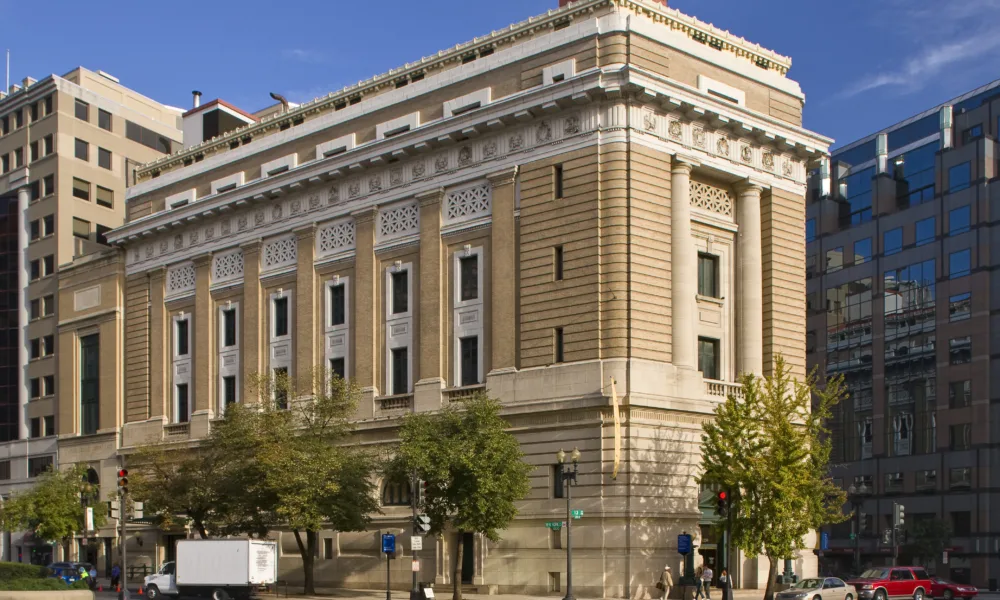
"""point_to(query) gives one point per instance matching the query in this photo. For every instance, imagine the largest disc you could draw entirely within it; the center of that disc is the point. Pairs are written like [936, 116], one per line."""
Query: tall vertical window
[400, 292]
[81, 149]
[468, 278]
[858, 191]
[48, 185]
[862, 251]
[183, 408]
[338, 368]
[103, 158]
[557, 263]
[892, 241]
[708, 275]
[181, 338]
[469, 350]
[810, 230]
[281, 385]
[961, 436]
[82, 110]
[915, 172]
[280, 317]
[559, 353]
[229, 389]
[557, 176]
[960, 177]
[400, 371]
[926, 230]
[835, 259]
[229, 327]
[708, 357]
[90, 391]
[959, 263]
[47, 145]
[959, 220]
[959, 394]
[960, 307]
[338, 305]
[104, 119]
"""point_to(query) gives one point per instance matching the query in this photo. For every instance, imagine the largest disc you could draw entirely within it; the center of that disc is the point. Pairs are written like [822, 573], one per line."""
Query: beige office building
[67, 145]
[611, 191]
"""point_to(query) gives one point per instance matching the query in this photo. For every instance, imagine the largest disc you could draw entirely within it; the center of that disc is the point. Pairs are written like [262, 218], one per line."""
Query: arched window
[92, 477]
[396, 493]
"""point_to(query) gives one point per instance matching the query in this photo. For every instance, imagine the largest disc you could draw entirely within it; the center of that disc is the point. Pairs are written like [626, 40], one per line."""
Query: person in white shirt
[706, 583]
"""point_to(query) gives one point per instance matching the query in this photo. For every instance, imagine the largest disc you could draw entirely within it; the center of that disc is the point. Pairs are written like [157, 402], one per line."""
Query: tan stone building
[67, 145]
[609, 191]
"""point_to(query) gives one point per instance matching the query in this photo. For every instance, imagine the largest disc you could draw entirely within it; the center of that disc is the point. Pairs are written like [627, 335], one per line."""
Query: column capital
[504, 177]
[202, 260]
[157, 273]
[749, 187]
[683, 164]
[430, 197]
[365, 215]
[305, 232]
[251, 247]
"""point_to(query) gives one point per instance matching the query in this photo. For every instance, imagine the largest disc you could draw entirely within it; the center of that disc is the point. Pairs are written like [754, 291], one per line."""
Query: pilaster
[503, 291]
[750, 282]
[305, 301]
[203, 344]
[365, 310]
[252, 318]
[427, 390]
[157, 343]
[684, 268]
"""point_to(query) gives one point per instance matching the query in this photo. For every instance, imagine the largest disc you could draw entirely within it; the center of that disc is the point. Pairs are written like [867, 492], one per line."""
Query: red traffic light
[123, 472]
[722, 495]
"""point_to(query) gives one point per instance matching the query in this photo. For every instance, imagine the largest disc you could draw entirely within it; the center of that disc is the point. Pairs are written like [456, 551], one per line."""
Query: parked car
[67, 571]
[820, 588]
[893, 583]
[942, 588]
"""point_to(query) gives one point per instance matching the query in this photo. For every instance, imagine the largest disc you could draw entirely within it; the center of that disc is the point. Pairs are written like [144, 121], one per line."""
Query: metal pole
[122, 501]
[388, 589]
[414, 590]
[895, 547]
[567, 481]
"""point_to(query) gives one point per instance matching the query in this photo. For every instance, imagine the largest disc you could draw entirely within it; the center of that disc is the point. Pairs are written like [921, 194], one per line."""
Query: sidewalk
[445, 594]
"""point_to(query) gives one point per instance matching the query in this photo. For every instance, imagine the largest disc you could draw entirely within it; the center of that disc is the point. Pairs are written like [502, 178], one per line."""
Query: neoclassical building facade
[612, 191]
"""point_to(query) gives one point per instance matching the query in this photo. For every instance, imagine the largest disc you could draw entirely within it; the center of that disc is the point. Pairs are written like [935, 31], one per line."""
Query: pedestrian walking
[706, 583]
[697, 581]
[726, 585]
[666, 581]
[116, 574]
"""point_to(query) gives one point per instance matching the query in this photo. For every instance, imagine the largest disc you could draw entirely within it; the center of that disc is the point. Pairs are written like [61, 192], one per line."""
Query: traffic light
[421, 525]
[722, 503]
[123, 481]
[898, 515]
[421, 492]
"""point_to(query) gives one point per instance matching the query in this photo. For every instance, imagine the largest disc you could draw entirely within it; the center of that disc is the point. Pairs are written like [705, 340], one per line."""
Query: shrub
[32, 585]
[13, 570]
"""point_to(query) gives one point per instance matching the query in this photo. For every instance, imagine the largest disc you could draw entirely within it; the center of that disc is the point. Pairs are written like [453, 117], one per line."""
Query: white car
[162, 583]
[819, 588]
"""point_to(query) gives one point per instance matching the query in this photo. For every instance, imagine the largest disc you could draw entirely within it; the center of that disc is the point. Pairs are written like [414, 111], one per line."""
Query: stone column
[427, 391]
[503, 249]
[252, 319]
[365, 313]
[750, 282]
[203, 343]
[684, 269]
[158, 345]
[305, 304]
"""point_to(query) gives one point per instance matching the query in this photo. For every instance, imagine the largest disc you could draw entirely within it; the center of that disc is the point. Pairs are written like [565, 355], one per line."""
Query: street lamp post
[856, 495]
[567, 477]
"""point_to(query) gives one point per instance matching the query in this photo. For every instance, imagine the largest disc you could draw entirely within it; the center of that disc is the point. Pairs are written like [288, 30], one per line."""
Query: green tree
[473, 468]
[771, 450]
[56, 507]
[926, 540]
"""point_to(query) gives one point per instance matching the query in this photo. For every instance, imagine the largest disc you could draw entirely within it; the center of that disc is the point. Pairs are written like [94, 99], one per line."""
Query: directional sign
[416, 543]
[388, 543]
[577, 514]
[824, 541]
[854, 536]
[684, 543]
[556, 525]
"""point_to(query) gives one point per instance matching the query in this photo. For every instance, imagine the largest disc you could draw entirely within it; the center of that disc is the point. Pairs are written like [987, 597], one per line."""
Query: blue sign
[388, 543]
[684, 543]
[824, 541]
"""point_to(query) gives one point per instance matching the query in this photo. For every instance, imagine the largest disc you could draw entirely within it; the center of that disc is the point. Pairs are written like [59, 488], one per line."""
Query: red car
[893, 583]
[942, 588]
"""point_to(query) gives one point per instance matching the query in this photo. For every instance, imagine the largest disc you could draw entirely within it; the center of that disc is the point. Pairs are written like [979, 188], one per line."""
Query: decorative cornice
[365, 215]
[505, 177]
[202, 260]
[306, 232]
[430, 197]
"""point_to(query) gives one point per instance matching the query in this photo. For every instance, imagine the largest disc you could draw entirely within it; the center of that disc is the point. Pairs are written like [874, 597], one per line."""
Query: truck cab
[162, 583]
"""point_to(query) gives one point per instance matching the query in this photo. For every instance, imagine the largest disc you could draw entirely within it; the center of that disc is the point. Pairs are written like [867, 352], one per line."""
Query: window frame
[885, 238]
[228, 356]
[854, 251]
[952, 273]
[922, 241]
[101, 154]
[81, 147]
[952, 231]
[716, 344]
[705, 258]
[84, 382]
[101, 115]
[77, 191]
[964, 183]
[338, 346]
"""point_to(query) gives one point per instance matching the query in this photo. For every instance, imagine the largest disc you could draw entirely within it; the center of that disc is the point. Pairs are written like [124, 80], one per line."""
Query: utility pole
[122, 520]
[414, 499]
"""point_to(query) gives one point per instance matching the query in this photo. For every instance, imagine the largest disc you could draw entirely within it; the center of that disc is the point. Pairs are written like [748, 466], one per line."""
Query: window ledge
[711, 299]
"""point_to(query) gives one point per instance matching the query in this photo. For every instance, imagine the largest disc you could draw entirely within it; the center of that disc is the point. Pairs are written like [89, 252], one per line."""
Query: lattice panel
[180, 280]
[470, 203]
[399, 221]
[335, 237]
[711, 198]
[227, 267]
[280, 252]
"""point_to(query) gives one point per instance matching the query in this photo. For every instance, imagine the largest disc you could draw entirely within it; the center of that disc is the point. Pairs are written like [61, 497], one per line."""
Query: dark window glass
[49, 262]
[961, 436]
[105, 197]
[36, 269]
[400, 292]
[960, 307]
[708, 358]
[101, 234]
[915, 131]
[400, 367]
[229, 389]
[961, 523]
[926, 231]
[892, 241]
[558, 177]
[338, 302]
[36, 427]
[90, 352]
[36, 388]
[469, 278]
[469, 351]
[229, 327]
[104, 119]
[182, 337]
[82, 149]
[708, 275]
[281, 384]
[914, 173]
[47, 145]
[38, 465]
[959, 220]
[36, 229]
[4, 470]
[396, 493]
[557, 263]
[104, 158]
[959, 394]
[147, 137]
[82, 110]
[50, 425]
[48, 185]
[959, 177]
[34, 190]
[960, 263]
[558, 489]
[810, 230]
[33, 112]
[280, 317]
[81, 189]
[33, 152]
[337, 367]
[18, 157]
[858, 194]
[49, 225]
[182, 403]
[560, 355]
[862, 251]
[974, 132]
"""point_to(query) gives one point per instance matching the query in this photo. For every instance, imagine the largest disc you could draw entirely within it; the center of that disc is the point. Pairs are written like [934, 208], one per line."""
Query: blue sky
[863, 64]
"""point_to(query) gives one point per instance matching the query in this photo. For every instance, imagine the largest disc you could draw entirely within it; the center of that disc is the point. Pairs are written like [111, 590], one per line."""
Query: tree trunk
[456, 575]
[201, 529]
[308, 552]
[772, 572]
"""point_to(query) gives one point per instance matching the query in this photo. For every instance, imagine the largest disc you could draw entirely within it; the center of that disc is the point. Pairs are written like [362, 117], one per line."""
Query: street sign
[388, 543]
[944, 557]
[824, 541]
[90, 518]
[684, 543]
[415, 566]
[556, 525]
[416, 543]
[577, 514]
[854, 535]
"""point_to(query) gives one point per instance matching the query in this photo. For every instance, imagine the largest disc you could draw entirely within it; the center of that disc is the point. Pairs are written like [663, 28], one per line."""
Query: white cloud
[302, 55]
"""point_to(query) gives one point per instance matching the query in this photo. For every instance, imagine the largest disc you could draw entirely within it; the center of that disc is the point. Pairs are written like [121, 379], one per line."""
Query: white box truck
[217, 569]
